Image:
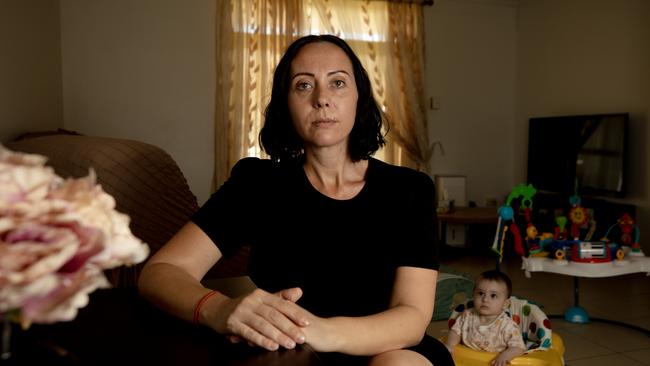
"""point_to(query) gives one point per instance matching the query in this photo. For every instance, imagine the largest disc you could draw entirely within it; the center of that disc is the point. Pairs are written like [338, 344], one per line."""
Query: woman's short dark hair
[279, 138]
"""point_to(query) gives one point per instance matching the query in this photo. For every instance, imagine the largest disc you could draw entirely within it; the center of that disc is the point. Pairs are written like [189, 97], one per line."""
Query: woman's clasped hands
[261, 318]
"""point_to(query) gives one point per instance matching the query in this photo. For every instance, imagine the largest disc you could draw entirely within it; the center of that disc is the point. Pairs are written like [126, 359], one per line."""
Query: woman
[343, 246]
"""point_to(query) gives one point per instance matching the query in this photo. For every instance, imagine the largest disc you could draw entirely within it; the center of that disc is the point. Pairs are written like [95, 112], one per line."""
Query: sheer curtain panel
[252, 35]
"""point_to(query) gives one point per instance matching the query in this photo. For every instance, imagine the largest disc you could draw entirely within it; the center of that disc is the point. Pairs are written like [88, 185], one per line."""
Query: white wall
[470, 70]
[30, 67]
[586, 56]
[144, 70]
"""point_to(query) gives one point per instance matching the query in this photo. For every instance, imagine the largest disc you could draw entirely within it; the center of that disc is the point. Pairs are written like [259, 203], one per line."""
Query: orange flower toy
[578, 216]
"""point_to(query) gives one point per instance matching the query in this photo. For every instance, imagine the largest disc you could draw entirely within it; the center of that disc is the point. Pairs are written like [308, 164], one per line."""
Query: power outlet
[434, 103]
[455, 235]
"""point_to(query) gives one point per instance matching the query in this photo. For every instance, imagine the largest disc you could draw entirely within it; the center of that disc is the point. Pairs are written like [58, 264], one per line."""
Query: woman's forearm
[402, 325]
[399, 327]
[171, 278]
[171, 289]
[264, 319]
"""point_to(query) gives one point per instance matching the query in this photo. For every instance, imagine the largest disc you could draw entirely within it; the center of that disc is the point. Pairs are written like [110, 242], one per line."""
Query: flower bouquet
[57, 236]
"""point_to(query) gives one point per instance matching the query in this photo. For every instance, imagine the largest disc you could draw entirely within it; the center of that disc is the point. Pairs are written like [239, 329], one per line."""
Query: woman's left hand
[319, 332]
[291, 294]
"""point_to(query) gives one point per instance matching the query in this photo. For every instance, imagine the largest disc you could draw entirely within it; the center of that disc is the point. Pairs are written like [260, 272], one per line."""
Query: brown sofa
[145, 181]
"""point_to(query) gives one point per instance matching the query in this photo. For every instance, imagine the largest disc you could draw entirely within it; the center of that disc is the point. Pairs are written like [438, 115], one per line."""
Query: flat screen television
[587, 152]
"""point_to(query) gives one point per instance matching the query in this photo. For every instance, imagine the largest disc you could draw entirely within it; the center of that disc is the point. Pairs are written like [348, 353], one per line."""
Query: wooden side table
[470, 216]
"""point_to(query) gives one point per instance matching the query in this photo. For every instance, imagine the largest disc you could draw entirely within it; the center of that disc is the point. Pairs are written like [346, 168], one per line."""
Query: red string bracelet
[197, 308]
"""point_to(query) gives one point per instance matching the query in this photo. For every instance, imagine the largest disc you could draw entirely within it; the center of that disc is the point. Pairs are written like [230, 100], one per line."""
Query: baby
[487, 326]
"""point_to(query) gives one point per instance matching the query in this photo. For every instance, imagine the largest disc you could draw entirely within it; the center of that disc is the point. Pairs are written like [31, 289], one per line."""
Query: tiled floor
[623, 298]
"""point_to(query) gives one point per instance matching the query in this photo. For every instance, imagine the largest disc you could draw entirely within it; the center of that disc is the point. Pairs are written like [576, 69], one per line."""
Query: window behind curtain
[252, 40]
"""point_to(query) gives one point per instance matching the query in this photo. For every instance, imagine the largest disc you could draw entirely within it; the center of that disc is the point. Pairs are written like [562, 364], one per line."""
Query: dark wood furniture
[469, 216]
[119, 328]
[146, 182]
[481, 224]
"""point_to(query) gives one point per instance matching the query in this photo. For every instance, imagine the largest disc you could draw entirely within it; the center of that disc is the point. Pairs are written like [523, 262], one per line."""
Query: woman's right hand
[261, 318]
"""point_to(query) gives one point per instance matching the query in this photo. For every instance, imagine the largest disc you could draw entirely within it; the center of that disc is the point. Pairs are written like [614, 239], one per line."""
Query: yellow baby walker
[545, 348]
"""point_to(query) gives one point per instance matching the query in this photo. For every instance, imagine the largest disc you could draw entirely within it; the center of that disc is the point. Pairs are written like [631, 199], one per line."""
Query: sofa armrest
[145, 181]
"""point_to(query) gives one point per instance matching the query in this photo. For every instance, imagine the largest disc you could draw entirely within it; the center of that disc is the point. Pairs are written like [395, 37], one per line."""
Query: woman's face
[323, 96]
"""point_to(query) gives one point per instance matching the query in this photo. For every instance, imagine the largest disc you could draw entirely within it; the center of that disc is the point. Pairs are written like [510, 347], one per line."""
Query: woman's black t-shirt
[342, 253]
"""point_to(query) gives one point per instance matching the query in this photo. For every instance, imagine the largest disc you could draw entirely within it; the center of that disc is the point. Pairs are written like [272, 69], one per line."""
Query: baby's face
[490, 297]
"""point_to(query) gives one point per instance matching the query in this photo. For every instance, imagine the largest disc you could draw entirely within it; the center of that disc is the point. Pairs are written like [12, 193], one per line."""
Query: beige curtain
[252, 36]
[405, 100]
